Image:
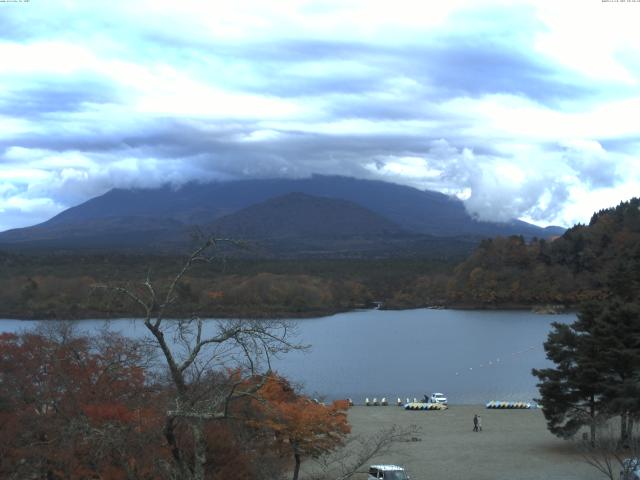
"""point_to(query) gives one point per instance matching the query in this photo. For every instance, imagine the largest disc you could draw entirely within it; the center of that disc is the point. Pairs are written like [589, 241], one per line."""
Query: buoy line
[498, 360]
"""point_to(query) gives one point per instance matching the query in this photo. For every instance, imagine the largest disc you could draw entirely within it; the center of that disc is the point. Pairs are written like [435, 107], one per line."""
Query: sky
[524, 109]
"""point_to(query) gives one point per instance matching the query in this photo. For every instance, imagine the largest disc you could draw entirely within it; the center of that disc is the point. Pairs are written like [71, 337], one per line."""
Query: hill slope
[585, 263]
[302, 215]
[162, 217]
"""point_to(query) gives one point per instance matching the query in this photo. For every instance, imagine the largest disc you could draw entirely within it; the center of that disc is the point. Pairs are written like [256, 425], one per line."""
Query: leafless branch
[608, 456]
[358, 451]
[196, 360]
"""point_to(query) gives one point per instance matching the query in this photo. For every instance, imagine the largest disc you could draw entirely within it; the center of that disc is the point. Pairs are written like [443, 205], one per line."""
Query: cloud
[593, 165]
[511, 106]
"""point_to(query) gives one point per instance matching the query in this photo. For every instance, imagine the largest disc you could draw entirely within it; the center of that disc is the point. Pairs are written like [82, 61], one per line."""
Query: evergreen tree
[615, 332]
[571, 392]
[597, 372]
[618, 330]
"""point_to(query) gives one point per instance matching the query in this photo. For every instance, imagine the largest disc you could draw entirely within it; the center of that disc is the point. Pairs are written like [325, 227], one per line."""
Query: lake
[471, 356]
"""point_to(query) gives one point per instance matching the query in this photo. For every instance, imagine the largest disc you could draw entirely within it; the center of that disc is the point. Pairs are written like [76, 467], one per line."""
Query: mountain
[301, 215]
[162, 217]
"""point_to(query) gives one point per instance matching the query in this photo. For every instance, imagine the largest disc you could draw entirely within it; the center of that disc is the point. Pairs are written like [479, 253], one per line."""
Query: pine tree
[615, 332]
[597, 373]
[571, 392]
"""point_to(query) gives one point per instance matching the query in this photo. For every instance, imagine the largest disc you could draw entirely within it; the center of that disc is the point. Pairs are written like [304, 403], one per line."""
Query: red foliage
[74, 408]
[108, 412]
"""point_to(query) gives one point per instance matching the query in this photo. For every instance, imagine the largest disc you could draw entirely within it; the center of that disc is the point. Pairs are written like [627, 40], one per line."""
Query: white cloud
[192, 100]
[413, 169]
[532, 120]
[13, 126]
[22, 175]
[54, 57]
[587, 37]
[584, 201]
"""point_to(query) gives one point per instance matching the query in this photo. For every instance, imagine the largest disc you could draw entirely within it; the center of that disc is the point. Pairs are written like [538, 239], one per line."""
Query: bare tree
[208, 364]
[609, 456]
[359, 450]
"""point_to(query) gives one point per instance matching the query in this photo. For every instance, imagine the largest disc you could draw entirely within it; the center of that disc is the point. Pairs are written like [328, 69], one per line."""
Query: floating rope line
[497, 361]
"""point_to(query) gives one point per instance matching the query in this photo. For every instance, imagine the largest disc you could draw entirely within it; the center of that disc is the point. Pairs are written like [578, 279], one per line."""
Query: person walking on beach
[475, 423]
[479, 423]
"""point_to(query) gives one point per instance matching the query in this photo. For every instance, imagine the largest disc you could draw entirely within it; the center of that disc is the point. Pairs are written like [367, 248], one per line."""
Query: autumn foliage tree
[78, 407]
[74, 407]
[302, 427]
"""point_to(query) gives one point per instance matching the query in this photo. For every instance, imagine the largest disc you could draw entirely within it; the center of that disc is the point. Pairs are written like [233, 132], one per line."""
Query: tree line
[501, 272]
[569, 270]
[61, 286]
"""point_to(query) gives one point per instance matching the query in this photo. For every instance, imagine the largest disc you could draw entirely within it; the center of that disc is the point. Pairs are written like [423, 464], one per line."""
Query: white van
[387, 472]
[438, 398]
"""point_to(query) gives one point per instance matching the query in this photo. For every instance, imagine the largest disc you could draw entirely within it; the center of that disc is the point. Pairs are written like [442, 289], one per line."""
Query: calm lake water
[471, 356]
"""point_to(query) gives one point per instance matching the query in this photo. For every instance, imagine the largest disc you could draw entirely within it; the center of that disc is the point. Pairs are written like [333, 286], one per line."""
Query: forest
[62, 286]
[568, 271]
[502, 272]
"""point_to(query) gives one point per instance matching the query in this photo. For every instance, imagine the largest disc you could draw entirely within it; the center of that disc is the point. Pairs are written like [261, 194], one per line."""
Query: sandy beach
[514, 444]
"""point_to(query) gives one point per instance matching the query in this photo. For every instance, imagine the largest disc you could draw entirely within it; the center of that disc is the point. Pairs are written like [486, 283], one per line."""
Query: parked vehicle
[387, 472]
[438, 398]
[630, 469]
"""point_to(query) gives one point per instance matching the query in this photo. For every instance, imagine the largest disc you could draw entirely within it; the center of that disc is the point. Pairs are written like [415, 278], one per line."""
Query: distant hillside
[298, 225]
[162, 218]
[301, 274]
[97, 233]
[586, 262]
[302, 215]
[415, 210]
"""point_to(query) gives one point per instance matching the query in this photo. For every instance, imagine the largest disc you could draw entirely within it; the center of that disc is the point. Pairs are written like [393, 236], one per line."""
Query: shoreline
[296, 315]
